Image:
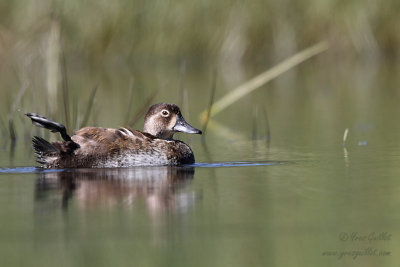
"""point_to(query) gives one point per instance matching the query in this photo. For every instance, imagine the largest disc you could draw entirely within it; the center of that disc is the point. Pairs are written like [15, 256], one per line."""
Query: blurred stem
[182, 83]
[267, 128]
[53, 65]
[130, 99]
[212, 96]
[89, 106]
[65, 91]
[345, 134]
[255, 122]
[262, 79]
[14, 106]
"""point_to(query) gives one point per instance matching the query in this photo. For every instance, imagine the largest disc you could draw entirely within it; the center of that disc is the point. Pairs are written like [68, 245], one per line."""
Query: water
[328, 206]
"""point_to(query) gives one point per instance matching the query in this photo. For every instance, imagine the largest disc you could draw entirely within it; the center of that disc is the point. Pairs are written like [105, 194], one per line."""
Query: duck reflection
[161, 188]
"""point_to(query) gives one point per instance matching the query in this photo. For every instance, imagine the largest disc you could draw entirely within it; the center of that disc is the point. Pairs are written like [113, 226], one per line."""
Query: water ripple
[27, 170]
[236, 164]
[199, 165]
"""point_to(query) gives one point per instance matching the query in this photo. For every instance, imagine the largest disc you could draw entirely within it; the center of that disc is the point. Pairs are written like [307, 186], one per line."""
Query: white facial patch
[172, 123]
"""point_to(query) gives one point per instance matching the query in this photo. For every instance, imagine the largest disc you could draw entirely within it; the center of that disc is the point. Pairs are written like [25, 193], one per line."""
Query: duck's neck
[154, 130]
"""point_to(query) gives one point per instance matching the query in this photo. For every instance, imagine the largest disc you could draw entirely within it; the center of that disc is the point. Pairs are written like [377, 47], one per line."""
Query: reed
[75, 112]
[14, 106]
[210, 104]
[65, 91]
[3, 127]
[53, 66]
[130, 100]
[255, 122]
[11, 127]
[261, 79]
[182, 73]
[345, 134]
[89, 106]
[186, 104]
[267, 127]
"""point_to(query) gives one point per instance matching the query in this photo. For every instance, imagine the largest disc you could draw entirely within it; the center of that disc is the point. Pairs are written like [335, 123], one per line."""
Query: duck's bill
[184, 127]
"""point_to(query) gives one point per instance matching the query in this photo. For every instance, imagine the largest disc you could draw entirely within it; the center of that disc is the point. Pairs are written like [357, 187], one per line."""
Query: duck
[97, 147]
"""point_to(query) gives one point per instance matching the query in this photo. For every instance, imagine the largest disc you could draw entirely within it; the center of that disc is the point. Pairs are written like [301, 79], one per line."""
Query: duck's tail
[44, 149]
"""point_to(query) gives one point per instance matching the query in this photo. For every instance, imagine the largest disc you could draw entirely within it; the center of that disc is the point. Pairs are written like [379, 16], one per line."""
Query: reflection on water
[276, 210]
[160, 187]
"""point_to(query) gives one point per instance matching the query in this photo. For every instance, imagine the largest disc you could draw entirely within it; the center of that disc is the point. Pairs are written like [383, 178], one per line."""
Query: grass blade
[2, 126]
[182, 83]
[267, 127]
[255, 122]
[89, 106]
[345, 134]
[53, 66]
[207, 118]
[262, 79]
[14, 107]
[130, 99]
[65, 90]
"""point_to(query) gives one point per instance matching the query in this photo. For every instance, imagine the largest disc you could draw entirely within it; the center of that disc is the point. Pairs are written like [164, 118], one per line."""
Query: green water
[285, 205]
[301, 199]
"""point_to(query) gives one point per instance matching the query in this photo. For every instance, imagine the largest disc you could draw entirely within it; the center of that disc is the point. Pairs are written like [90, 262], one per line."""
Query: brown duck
[95, 147]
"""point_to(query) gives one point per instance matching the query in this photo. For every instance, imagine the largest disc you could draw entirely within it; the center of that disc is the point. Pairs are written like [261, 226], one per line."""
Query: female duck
[95, 147]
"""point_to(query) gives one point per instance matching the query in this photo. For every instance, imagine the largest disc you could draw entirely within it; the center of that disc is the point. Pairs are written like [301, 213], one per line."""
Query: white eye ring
[164, 113]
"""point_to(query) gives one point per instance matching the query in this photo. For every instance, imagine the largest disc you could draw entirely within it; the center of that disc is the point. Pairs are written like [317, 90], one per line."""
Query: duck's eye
[165, 113]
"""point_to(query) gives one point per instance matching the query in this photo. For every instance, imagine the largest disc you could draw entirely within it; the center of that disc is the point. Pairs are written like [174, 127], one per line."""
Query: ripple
[26, 170]
[236, 164]
[199, 165]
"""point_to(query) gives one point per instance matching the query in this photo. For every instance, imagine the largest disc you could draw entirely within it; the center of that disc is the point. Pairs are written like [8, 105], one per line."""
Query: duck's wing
[102, 141]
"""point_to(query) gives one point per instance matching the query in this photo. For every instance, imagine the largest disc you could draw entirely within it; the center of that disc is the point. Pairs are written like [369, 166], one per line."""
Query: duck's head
[163, 120]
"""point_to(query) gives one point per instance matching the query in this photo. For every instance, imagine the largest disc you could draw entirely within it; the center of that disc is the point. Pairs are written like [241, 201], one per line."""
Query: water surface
[305, 207]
